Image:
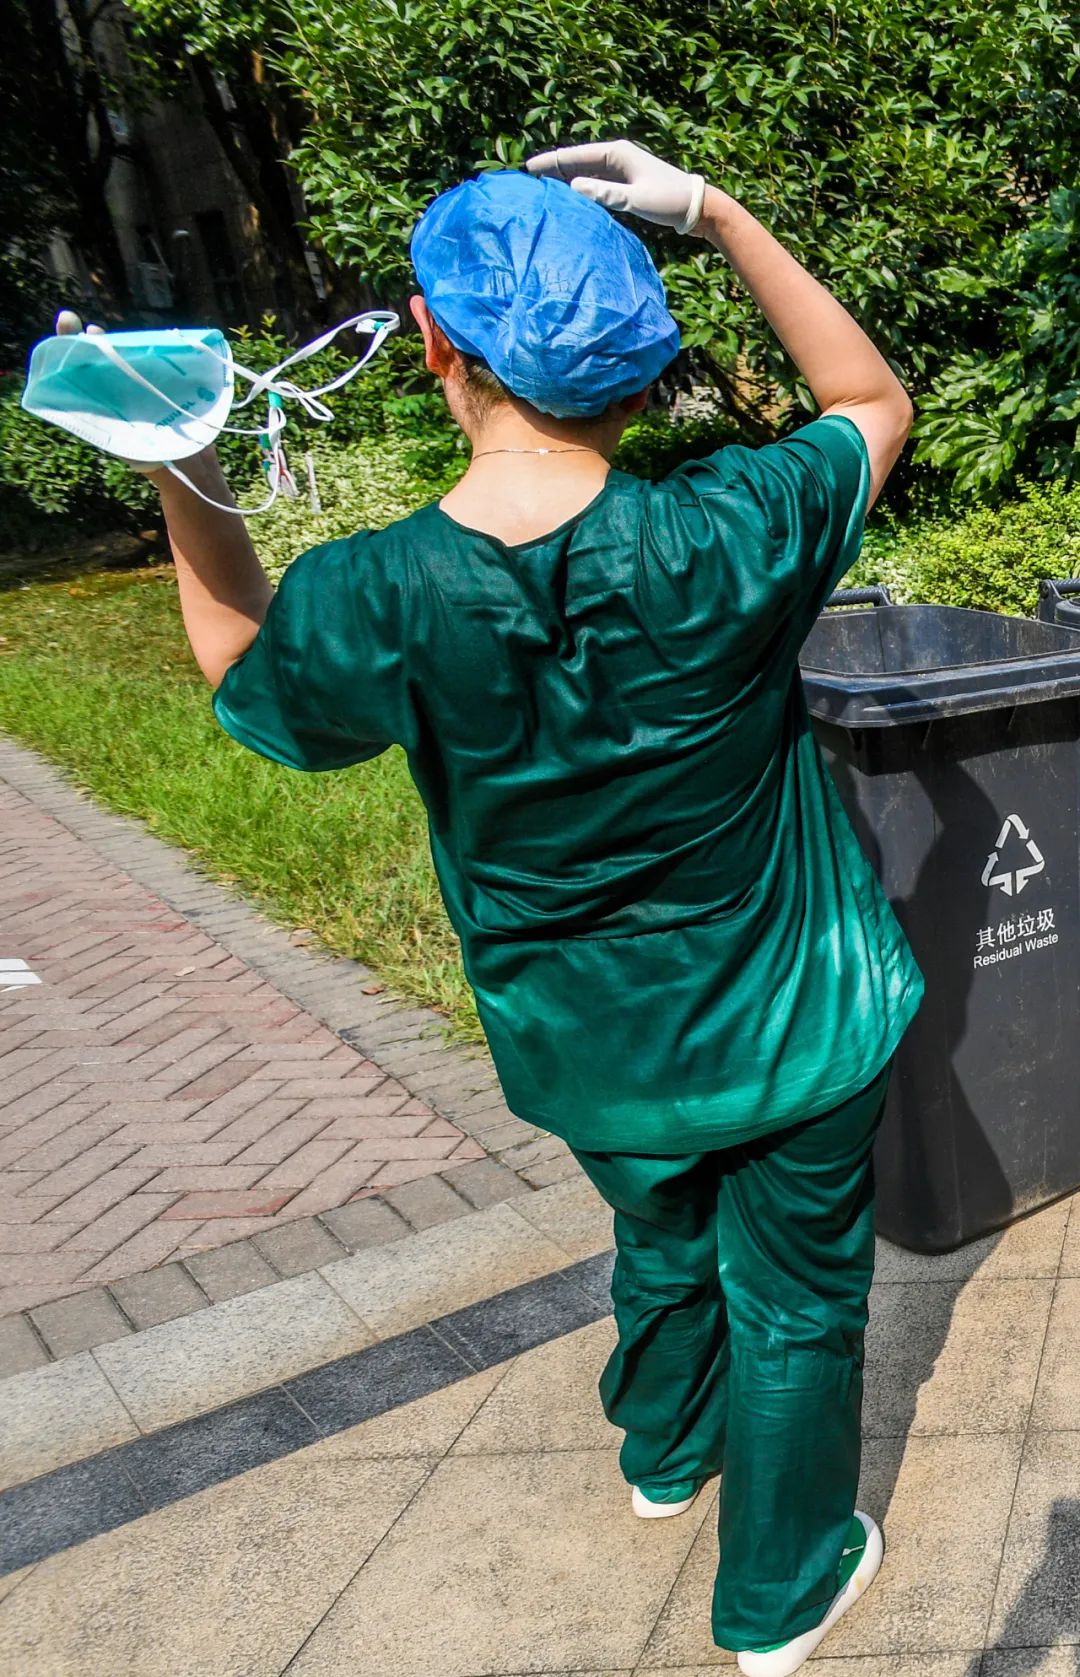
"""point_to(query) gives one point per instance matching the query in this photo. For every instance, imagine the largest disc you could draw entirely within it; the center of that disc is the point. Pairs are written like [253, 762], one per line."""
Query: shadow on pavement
[1048, 1607]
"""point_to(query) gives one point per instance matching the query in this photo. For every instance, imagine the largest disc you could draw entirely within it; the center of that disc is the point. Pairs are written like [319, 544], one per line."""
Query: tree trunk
[89, 160]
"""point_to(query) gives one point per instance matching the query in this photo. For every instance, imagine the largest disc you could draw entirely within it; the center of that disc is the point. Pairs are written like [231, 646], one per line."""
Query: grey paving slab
[426, 1202]
[55, 1415]
[298, 1247]
[1070, 1251]
[937, 1587]
[485, 1182]
[1030, 1662]
[547, 1400]
[563, 1168]
[364, 1223]
[399, 1286]
[20, 1347]
[572, 1214]
[901, 1665]
[1057, 1396]
[397, 1371]
[427, 1426]
[953, 1356]
[161, 1295]
[79, 1323]
[182, 1460]
[536, 1152]
[1037, 1603]
[497, 1131]
[230, 1270]
[78, 1502]
[574, 1588]
[594, 1274]
[184, 1368]
[495, 1329]
[228, 1582]
[11, 1581]
[609, 1673]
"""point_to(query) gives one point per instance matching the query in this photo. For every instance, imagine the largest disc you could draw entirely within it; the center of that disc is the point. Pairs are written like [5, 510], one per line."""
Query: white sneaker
[787, 1657]
[648, 1510]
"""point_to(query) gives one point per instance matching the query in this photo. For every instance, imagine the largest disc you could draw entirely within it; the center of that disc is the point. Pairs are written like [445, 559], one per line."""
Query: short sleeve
[320, 686]
[787, 518]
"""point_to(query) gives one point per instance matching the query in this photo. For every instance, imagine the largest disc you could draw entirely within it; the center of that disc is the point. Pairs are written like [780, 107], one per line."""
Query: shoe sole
[646, 1510]
[783, 1662]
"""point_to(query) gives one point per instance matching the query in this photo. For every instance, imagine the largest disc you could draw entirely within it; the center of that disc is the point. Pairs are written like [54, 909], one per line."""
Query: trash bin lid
[896, 664]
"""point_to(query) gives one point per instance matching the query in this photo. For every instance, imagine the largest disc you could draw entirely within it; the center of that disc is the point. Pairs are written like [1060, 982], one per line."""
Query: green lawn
[96, 675]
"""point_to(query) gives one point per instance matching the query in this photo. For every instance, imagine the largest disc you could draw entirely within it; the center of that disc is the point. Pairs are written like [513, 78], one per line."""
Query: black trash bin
[952, 737]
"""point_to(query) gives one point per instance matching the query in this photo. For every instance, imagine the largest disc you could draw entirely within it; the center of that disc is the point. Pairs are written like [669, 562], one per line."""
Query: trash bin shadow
[1045, 1618]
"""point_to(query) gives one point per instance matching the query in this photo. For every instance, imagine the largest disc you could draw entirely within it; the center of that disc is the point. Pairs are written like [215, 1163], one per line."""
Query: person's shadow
[1046, 1616]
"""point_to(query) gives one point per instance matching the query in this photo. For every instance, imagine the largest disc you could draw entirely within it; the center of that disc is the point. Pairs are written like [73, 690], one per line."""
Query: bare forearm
[846, 374]
[224, 592]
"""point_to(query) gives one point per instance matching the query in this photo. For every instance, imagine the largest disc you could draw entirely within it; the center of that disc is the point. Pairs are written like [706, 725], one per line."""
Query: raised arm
[846, 374]
[224, 591]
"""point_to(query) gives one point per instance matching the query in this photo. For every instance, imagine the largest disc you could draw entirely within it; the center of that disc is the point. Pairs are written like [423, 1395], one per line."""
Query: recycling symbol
[1013, 880]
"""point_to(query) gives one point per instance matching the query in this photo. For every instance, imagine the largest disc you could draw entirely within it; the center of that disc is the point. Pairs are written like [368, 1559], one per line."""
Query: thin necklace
[582, 450]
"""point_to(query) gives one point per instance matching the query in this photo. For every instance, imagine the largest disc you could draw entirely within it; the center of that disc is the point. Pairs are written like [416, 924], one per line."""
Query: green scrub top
[673, 936]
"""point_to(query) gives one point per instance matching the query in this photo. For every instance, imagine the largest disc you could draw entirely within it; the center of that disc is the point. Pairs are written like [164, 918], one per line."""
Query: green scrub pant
[740, 1291]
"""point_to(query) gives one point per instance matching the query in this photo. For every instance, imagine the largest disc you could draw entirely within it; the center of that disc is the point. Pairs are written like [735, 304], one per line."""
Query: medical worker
[682, 961]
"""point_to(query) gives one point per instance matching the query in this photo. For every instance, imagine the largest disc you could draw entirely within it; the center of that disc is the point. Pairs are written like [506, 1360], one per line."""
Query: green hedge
[992, 558]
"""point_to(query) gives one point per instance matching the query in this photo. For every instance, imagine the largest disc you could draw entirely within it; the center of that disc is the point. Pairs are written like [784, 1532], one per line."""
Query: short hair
[487, 390]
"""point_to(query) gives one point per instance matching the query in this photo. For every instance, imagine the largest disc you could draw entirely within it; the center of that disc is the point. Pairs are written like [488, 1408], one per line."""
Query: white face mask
[161, 396]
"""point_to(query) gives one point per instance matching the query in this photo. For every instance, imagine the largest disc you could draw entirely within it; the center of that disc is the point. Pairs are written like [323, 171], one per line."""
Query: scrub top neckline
[534, 541]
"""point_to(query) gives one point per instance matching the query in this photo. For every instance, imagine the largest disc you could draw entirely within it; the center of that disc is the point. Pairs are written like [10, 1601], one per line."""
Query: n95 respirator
[159, 396]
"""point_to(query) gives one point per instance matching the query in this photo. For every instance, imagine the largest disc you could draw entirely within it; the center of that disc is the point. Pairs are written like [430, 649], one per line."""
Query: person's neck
[507, 431]
[528, 475]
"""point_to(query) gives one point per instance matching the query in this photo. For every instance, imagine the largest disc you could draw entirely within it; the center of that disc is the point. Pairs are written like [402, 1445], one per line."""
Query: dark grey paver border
[86, 1498]
[407, 1041]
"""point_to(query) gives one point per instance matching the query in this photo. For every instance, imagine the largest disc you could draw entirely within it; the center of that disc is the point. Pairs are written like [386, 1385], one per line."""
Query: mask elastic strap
[278, 473]
[241, 512]
[384, 322]
[275, 426]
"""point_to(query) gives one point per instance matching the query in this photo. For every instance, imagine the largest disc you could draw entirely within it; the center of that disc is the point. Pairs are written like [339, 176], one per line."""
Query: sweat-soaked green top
[674, 938]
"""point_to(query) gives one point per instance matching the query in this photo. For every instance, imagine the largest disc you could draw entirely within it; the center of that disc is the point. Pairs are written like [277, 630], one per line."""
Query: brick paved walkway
[158, 1097]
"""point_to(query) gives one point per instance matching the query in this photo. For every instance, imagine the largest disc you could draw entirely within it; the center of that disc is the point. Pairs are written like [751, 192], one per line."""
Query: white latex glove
[623, 176]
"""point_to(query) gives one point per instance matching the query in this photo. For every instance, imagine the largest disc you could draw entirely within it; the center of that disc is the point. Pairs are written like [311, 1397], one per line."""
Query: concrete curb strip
[65, 1411]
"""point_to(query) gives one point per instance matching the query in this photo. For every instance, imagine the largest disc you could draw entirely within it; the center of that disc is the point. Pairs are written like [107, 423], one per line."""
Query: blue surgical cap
[561, 301]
